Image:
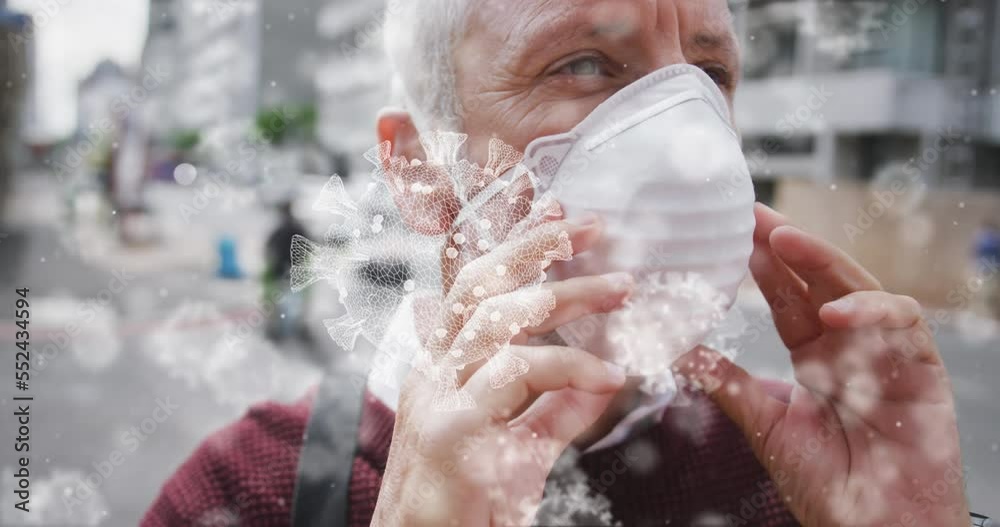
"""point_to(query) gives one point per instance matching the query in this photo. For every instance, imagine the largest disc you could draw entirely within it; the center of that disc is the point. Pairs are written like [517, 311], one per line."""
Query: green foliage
[286, 124]
[185, 141]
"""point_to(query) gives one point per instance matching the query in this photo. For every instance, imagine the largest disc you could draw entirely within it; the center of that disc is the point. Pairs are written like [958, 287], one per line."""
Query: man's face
[532, 68]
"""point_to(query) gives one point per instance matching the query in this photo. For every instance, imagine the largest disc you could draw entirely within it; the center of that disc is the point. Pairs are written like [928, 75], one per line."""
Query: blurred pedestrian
[289, 313]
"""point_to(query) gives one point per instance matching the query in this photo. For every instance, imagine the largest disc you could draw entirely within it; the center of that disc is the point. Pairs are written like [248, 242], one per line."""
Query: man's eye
[585, 67]
[718, 74]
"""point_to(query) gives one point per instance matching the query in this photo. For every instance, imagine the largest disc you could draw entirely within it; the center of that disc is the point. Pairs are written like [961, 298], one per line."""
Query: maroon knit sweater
[698, 470]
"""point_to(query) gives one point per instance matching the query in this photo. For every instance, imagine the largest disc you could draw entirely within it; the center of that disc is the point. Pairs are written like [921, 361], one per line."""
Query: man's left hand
[869, 435]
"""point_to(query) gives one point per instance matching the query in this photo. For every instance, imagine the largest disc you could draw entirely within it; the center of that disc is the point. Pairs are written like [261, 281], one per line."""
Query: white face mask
[662, 165]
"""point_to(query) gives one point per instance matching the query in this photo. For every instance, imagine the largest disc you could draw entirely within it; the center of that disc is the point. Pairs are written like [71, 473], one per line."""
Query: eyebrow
[566, 28]
[715, 42]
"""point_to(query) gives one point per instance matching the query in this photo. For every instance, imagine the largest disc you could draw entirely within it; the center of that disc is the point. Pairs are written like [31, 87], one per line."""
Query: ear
[396, 126]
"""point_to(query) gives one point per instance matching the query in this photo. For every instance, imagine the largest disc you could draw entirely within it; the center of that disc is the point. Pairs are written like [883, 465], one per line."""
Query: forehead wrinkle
[492, 29]
[546, 29]
[546, 22]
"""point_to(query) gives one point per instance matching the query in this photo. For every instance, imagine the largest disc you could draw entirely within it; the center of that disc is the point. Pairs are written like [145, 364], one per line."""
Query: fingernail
[843, 305]
[620, 282]
[771, 210]
[615, 372]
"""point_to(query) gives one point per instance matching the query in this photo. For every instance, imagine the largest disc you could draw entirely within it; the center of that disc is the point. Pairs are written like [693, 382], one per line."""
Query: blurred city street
[160, 339]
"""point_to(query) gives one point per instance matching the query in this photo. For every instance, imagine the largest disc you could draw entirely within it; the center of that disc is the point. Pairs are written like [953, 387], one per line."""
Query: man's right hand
[488, 465]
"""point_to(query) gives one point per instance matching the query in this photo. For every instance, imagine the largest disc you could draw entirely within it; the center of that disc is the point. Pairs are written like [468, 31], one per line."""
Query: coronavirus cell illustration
[418, 218]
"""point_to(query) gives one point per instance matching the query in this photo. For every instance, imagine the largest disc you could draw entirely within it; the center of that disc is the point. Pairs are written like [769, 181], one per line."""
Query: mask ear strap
[499, 185]
[472, 206]
[491, 191]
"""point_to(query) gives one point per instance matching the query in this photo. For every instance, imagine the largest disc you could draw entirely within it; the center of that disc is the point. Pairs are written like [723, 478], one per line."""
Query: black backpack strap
[328, 450]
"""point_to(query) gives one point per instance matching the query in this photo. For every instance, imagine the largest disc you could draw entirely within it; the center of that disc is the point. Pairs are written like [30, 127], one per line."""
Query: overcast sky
[72, 37]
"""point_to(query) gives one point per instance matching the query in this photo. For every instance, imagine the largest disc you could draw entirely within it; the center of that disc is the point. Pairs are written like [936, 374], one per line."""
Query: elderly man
[824, 452]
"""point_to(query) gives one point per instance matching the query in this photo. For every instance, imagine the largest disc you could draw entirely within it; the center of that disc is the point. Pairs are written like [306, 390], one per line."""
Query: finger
[549, 368]
[535, 313]
[539, 244]
[914, 344]
[767, 219]
[552, 240]
[512, 266]
[497, 321]
[828, 271]
[871, 308]
[743, 398]
[563, 415]
[582, 296]
[794, 317]
[786, 294]
[459, 253]
[518, 262]
[513, 204]
[584, 233]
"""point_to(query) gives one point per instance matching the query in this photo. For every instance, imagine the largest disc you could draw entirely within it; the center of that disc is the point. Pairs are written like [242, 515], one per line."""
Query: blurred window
[766, 190]
[867, 155]
[772, 39]
[786, 37]
[881, 35]
[987, 166]
[775, 145]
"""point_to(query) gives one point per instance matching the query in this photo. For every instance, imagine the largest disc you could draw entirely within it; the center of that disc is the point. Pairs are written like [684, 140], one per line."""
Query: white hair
[420, 37]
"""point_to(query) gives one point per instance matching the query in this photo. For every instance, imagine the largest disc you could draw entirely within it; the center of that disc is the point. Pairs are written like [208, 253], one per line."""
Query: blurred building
[18, 62]
[18, 103]
[353, 78]
[228, 62]
[230, 58]
[159, 54]
[872, 90]
[216, 64]
[209, 52]
[98, 93]
[290, 49]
